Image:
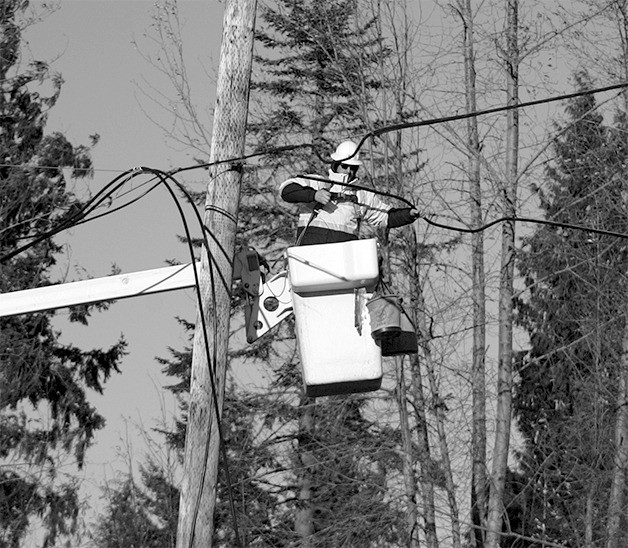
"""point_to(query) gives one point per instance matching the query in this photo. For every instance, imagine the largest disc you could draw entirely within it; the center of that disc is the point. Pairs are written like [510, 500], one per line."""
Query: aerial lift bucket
[330, 284]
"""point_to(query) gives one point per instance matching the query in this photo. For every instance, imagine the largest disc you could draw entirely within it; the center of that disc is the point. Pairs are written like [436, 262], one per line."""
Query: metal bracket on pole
[246, 268]
[271, 307]
[268, 303]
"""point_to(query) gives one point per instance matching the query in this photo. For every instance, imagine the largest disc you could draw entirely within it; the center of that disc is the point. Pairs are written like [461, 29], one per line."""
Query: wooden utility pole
[198, 490]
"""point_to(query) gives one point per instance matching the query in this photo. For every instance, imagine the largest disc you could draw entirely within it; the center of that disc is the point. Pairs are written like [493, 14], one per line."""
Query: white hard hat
[346, 153]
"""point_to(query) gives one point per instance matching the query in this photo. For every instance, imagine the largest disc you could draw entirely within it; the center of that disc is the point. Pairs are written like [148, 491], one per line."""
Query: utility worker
[331, 210]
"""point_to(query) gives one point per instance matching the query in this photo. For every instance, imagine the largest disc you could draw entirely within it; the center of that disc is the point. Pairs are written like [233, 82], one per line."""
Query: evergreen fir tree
[126, 521]
[314, 83]
[317, 74]
[45, 415]
[565, 392]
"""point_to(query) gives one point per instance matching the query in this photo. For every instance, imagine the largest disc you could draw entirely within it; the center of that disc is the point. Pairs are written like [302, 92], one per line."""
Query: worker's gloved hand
[322, 196]
[402, 216]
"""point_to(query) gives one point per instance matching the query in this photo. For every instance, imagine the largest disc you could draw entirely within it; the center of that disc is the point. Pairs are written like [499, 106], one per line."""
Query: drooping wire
[87, 207]
[481, 228]
[409, 125]
[211, 356]
[80, 217]
[494, 110]
[395, 127]
[126, 204]
[556, 224]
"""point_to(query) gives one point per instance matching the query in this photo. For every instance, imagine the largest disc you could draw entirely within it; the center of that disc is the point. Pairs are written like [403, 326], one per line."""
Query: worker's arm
[294, 193]
[401, 216]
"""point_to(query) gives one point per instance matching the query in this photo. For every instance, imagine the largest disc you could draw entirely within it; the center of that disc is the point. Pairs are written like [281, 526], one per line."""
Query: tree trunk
[198, 489]
[505, 353]
[479, 493]
[412, 514]
[588, 520]
[438, 407]
[618, 486]
[426, 481]
[304, 520]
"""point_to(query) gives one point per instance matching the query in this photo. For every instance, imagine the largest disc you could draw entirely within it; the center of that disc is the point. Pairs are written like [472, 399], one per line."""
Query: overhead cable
[211, 357]
[407, 125]
[164, 178]
[465, 230]
[475, 114]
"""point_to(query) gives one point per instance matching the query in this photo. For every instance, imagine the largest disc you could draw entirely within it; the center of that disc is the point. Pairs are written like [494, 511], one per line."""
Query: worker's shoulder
[371, 199]
[366, 192]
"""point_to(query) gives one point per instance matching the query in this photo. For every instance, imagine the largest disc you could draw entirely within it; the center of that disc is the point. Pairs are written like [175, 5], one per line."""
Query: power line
[236, 161]
[475, 230]
[80, 218]
[71, 221]
[494, 110]
[408, 125]
[113, 186]
[211, 357]
[556, 224]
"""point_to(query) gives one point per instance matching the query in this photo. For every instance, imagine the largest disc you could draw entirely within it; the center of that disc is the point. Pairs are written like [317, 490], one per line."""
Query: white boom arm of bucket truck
[266, 305]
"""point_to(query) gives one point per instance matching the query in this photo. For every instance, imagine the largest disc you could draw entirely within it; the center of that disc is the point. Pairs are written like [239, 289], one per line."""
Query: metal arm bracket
[268, 303]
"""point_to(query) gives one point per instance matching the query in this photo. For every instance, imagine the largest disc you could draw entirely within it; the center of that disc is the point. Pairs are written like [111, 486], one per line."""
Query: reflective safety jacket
[343, 214]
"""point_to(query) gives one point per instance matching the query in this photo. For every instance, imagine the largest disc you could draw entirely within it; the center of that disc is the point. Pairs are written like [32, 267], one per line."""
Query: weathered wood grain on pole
[198, 491]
